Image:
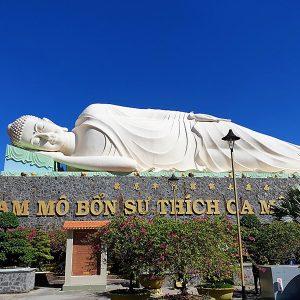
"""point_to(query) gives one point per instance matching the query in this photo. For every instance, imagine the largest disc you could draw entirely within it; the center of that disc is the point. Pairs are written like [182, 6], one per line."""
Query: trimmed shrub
[8, 220]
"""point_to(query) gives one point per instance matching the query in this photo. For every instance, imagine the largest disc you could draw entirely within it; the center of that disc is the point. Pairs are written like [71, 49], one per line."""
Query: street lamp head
[230, 138]
[173, 178]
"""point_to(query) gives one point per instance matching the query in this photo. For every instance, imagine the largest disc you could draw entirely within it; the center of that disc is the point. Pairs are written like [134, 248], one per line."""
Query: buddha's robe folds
[166, 140]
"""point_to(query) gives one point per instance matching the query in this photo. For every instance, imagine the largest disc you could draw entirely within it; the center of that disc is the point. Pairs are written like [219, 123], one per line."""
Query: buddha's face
[41, 134]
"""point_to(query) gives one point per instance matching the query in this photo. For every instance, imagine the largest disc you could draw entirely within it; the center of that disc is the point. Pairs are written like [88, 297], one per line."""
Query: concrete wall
[17, 280]
[122, 188]
[288, 276]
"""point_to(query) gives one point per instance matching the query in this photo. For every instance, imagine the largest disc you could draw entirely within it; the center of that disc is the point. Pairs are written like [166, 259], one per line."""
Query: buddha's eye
[39, 126]
[35, 141]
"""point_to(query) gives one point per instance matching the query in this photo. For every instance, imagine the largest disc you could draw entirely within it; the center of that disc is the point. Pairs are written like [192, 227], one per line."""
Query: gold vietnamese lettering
[21, 208]
[83, 208]
[143, 206]
[213, 207]
[177, 207]
[247, 208]
[195, 207]
[130, 207]
[161, 205]
[3, 206]
[46, 209]
[265, 206]
[229, 208]
[62, 207]
[110, 207]
[99, 206]
[188, 206]
[96, 207]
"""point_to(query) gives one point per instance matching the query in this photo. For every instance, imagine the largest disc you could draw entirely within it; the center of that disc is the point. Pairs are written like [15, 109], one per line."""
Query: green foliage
[289, 206]
[276, 243]
[8, 220]
[58, 240]
[155, 260]
[217, 285]
[15, 249]
[250, 228]
[250, 221]
[219, 251]
[41, 244]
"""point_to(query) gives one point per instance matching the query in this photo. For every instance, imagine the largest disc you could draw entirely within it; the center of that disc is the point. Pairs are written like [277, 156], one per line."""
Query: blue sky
[232, 59]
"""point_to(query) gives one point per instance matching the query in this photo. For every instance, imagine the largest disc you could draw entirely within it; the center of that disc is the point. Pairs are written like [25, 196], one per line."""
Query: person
[255, 271]
[122, 139]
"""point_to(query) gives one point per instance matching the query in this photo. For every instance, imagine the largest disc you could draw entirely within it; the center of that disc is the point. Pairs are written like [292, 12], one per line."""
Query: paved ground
[55, 293]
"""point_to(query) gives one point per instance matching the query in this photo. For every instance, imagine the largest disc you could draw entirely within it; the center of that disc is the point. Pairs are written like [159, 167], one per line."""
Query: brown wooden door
[82, 261]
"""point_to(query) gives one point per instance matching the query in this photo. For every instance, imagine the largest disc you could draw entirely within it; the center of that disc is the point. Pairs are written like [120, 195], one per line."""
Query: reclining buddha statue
[114, 138]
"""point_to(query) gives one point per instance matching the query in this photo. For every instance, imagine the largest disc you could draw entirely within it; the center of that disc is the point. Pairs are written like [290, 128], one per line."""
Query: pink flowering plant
[220, 254]
[141, 245]
[159, 246]
[125, 242]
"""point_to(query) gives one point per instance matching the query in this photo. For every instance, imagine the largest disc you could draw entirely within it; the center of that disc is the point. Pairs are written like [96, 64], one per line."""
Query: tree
[15, 249]
[289, 206]
[41, 244]
[15, 246]
[277, 242]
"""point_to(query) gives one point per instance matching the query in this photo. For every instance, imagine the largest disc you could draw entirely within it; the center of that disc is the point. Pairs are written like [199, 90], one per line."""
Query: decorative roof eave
[71, 225]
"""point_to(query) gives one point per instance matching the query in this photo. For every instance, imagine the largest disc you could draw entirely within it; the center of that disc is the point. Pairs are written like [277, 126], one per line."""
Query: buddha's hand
[205, 118]
[50, 141]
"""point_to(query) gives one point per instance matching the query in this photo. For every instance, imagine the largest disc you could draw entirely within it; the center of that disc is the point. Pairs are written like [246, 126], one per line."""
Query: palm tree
[289, 206]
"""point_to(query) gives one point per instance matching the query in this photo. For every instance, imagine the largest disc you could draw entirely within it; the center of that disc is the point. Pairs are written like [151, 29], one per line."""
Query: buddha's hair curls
[15, 129]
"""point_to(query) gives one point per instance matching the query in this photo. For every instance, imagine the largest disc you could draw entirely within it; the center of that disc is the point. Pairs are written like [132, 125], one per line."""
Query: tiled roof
[84, 224]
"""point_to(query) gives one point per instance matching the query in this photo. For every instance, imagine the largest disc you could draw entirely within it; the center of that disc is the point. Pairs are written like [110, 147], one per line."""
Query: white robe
[172, 140]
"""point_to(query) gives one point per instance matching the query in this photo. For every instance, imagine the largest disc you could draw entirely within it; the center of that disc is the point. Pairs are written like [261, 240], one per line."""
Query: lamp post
[180, 282]
[173, 180]
[231, 138]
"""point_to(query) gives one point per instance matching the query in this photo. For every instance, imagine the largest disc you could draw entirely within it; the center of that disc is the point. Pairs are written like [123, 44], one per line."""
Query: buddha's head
[34, 133]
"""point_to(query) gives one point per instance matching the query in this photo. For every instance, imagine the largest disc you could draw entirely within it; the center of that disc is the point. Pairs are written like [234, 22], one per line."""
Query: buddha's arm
[95, 163]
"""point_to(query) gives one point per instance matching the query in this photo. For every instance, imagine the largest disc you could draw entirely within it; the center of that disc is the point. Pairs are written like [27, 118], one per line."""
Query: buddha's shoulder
[106, 110]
